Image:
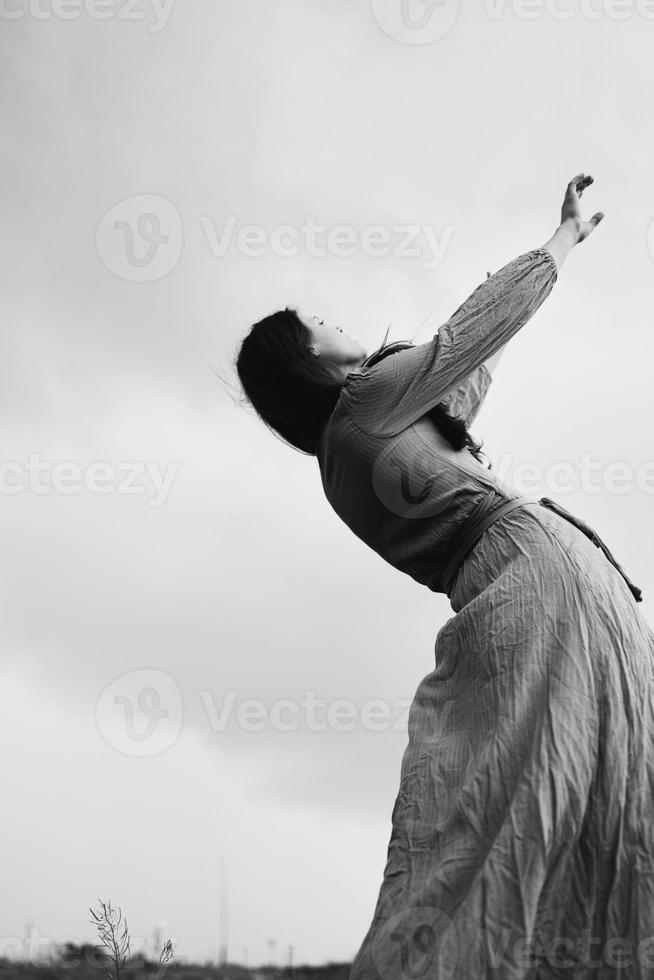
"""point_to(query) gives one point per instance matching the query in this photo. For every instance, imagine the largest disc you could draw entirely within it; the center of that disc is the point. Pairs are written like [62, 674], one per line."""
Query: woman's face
[331, 343]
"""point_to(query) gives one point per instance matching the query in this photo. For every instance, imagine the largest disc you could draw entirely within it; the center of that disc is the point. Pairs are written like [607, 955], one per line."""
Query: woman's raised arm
[400, 389]
[573, 229]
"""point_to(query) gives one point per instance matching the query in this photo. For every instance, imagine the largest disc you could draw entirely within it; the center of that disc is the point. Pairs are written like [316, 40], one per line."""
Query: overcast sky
[183, 561]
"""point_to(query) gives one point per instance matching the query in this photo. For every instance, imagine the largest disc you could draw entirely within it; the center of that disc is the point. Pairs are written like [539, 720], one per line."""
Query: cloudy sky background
[242, 584]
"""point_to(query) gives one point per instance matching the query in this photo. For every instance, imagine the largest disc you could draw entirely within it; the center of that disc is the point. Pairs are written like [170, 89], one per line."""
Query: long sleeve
[400, 389]
[466, 400]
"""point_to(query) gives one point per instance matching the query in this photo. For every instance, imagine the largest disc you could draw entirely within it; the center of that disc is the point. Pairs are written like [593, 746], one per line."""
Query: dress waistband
[488, 511]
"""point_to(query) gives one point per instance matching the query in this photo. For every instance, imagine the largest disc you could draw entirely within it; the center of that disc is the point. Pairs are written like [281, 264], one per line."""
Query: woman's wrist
[572, 226]
[563, 240]
[573, 229]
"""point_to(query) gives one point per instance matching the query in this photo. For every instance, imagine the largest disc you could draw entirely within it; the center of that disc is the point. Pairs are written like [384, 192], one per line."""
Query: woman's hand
[573, 229]
[571, 212]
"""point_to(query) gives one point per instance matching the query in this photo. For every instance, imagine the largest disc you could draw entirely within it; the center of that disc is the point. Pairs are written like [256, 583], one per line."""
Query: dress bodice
[385, 468]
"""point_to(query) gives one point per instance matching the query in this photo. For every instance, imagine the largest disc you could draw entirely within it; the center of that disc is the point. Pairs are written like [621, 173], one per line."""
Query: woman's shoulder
[373, 393]
[378, 368]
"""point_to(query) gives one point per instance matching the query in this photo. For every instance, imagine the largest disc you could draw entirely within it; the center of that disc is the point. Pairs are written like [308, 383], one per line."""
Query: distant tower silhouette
[28, 945]
[224, 913]
[155, 939]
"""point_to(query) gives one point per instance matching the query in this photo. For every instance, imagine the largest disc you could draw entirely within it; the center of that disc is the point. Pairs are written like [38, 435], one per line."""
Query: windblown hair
[291, 389]
[294, 392]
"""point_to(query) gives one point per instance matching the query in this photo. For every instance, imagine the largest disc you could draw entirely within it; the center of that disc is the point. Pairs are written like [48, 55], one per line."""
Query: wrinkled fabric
[385, 468]
[522, 843]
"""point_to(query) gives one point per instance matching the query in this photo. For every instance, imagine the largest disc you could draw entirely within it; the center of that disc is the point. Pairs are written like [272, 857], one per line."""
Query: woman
[523, 832]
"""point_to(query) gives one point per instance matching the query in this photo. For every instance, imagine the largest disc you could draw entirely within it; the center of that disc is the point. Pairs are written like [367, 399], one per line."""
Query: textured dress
[522, 841]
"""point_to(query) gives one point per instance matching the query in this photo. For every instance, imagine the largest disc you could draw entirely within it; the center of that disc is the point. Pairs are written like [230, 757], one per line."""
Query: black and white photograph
[327, 490]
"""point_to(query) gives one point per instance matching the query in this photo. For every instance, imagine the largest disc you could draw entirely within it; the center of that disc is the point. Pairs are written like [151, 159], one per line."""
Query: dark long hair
[294, 392]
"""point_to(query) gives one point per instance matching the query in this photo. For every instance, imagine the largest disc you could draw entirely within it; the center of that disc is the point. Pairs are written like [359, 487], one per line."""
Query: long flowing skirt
[522, 843]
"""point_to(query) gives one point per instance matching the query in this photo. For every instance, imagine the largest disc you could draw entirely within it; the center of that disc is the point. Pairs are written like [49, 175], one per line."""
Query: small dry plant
[114, 938]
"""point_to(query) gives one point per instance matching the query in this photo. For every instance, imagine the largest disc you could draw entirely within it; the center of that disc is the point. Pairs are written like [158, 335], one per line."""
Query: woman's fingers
[579, 184]
[589, 226]
[571, 210]
[574, 185]
[583, 184]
